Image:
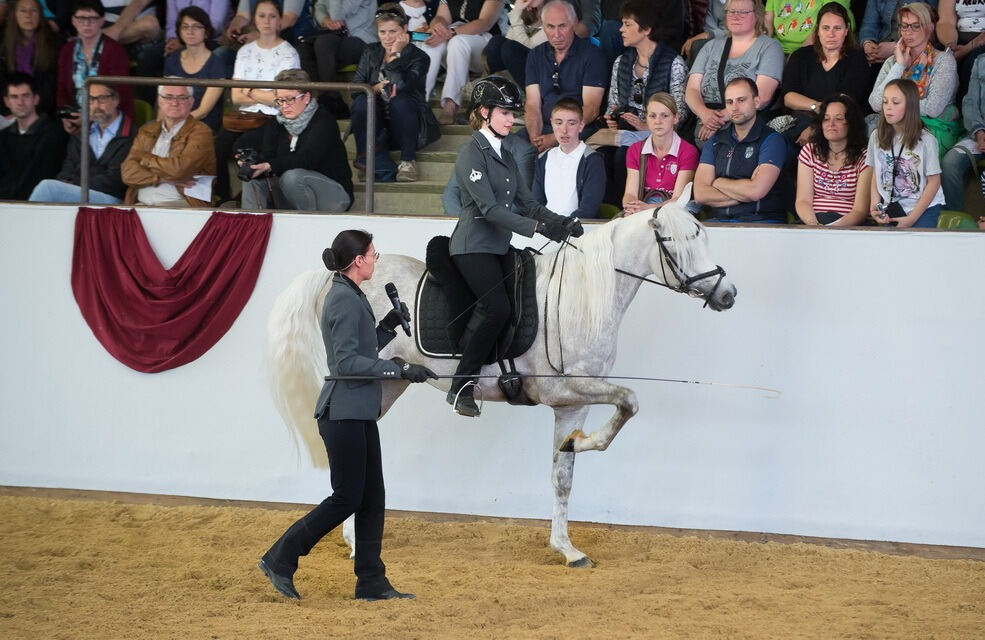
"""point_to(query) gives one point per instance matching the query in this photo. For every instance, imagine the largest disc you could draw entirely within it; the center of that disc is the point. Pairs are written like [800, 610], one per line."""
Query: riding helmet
[496, 91]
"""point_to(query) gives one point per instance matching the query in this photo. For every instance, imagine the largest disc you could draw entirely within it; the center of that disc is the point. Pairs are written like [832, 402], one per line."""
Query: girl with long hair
[906, 189]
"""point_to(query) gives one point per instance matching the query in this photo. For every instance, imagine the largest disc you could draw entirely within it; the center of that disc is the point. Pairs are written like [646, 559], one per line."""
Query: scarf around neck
[297, 126]
[922, 69]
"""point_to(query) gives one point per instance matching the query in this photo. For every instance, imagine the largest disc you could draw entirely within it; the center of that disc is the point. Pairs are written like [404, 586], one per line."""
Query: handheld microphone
[391, 292]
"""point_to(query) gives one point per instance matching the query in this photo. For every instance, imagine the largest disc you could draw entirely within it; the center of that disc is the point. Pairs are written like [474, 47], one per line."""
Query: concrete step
[427, 171]
[413, 198]
[450, 143]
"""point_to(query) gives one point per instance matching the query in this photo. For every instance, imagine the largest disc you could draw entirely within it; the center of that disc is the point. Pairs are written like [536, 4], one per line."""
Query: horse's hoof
[582, 563]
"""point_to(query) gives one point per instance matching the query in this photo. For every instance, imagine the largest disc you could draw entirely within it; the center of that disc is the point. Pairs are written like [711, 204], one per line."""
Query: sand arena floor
[84, 568]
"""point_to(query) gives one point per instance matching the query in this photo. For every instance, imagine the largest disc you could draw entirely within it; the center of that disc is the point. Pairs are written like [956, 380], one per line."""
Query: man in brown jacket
[168, 153]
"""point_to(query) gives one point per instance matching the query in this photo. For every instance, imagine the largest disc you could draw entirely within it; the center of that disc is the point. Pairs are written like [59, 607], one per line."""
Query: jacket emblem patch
[749, 151]
[475, 176]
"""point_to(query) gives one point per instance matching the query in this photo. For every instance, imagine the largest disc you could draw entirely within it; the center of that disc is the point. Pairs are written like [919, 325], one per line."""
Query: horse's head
[679, 255]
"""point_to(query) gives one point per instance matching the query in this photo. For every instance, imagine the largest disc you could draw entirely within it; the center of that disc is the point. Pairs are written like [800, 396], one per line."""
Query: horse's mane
[589, 278]
[680, 226]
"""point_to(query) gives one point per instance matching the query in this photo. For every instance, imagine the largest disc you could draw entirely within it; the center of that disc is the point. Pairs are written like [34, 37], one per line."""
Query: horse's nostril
[728, 300]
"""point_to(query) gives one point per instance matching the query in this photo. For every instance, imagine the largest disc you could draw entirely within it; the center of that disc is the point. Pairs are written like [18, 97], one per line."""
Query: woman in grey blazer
[347, 411]
[495, 203]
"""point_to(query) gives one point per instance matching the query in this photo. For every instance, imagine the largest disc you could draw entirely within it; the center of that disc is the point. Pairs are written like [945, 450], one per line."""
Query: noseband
[684, 281]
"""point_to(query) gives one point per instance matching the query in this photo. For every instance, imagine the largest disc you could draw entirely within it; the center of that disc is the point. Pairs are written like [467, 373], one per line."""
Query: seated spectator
[168, 153]
[752, 54]
[879, 31]
[295, 20]
[460, 31]
[110, 136]
[260, 59]
[739, 171]
[131, 21]
[562, 67]
[904, 158]
[832, 177]
[195, 60]
[714, 27]
[304, 161]
[961, 28]
[915, 58]
[646, 67]
[398, 73]
[672, 18]
[509, 52]
[216, 10]
[957, 162]
[832, 64]
[347, 27]
[91, 53]
[793, 22]
[30, 46]
[569, 178]
[523, 154]
[658, 168]
[32, 145]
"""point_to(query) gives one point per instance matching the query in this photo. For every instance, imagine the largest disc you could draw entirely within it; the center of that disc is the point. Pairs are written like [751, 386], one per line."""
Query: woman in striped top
[832, 178]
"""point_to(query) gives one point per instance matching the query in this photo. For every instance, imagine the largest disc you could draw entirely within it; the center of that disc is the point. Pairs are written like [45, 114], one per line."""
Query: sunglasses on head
[638, 91]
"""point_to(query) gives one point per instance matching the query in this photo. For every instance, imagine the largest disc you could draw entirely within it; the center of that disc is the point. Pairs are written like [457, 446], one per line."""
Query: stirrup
[455, 403]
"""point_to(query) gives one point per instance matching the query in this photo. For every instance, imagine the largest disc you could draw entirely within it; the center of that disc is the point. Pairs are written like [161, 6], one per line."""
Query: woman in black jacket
[298, 157]
[347, 411]
[397, 73]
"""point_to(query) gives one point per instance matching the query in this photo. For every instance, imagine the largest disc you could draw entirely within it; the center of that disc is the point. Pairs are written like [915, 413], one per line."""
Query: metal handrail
[231, 84]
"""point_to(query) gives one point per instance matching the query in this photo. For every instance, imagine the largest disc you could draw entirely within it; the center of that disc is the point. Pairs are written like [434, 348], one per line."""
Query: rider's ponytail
[345, 248]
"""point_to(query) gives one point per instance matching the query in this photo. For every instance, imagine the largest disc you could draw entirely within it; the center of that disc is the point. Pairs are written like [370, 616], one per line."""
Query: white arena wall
[873, 338]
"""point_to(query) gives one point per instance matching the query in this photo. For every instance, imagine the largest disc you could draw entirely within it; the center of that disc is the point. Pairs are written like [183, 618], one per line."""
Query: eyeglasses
[738, 14]
[281, 102]
[87, 19]
[638, 91]
[173, 99]
[906, 26]
[192, 27]
[103, 99]
[375, 255]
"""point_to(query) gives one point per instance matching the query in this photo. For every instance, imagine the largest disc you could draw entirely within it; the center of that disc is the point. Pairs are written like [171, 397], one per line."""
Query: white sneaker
[407, 171]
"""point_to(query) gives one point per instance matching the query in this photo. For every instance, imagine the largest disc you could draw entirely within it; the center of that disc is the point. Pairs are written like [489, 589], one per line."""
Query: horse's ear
[685, 195]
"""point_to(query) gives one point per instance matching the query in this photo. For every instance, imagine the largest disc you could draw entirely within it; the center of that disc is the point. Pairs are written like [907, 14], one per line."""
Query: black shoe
[389, 594]
[283, 584]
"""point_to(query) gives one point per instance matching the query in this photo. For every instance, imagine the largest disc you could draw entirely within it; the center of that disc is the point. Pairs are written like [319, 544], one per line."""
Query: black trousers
[485, 274]
[357, 484]
[397, 125]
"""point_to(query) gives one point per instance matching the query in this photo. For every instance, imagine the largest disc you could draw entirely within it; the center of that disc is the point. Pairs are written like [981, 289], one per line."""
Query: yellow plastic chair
[142, 112]
[956, 220]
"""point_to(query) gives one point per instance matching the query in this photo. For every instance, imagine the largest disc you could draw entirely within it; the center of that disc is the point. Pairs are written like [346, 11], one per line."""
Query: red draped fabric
[151, 318]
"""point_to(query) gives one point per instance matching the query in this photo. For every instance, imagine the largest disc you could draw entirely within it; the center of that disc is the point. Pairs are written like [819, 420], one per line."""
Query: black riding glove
[573, 225]
[414, 372]
[392, 319]
[552, 230]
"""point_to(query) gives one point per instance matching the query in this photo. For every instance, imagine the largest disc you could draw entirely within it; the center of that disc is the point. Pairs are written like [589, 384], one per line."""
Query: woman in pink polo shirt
[670, 162]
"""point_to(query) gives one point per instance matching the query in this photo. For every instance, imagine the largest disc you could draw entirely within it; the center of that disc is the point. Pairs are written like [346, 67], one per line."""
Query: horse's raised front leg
[596, 391]
[566, 419]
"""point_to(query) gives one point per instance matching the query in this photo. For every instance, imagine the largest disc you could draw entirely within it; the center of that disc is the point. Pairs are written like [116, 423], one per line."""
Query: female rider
[495, 203]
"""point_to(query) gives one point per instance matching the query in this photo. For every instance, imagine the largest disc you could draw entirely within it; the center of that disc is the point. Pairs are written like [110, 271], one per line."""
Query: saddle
[443, 307]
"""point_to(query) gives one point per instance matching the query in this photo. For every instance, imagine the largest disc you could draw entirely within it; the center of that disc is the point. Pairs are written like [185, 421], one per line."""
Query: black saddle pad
[443, 305]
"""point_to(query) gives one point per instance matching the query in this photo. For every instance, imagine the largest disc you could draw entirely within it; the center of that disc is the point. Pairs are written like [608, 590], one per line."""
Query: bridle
[684, 281]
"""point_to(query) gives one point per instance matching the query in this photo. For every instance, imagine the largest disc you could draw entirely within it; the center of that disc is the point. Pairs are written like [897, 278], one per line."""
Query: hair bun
[328, 257]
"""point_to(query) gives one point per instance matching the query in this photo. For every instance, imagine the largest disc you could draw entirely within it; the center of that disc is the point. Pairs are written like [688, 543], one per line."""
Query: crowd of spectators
[832, 112]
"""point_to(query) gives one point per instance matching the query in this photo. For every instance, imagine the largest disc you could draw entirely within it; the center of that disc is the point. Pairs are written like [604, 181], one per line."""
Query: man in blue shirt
[110, 136]
[739, 174]
[563, 67]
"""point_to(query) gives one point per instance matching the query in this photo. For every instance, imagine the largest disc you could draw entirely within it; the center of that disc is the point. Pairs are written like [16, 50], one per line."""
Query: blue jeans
[954, 167]
[57, 191]
[929, 218]
[400, 128]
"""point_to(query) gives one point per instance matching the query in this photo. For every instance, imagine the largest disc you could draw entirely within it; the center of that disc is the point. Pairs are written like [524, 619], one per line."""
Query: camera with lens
[247, 158]
[617, 116]
[69, 111]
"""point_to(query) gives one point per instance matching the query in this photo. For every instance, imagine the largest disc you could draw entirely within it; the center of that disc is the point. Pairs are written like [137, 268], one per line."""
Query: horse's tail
[298, 364]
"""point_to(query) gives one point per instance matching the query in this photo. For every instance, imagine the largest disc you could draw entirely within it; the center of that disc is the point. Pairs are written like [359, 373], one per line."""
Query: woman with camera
[296, 159]
[347, 412]
[658, 168]
[398, 73]
[906, 184]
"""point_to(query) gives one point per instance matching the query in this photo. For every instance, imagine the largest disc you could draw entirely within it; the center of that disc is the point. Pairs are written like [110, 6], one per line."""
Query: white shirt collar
[494, 142]
[675, 146]
[575, 154]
